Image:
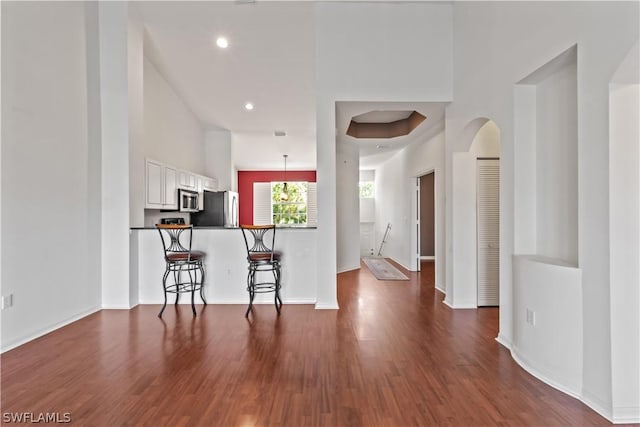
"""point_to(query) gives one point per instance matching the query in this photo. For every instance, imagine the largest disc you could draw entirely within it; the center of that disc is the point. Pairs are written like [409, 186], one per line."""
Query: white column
[218, 158]
[113, 22]
[326, 170]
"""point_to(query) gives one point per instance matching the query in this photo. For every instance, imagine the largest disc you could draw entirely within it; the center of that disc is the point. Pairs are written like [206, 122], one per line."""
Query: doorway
[426, 218]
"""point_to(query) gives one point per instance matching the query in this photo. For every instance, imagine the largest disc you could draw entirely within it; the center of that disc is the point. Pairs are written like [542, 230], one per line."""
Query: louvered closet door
[488, 232]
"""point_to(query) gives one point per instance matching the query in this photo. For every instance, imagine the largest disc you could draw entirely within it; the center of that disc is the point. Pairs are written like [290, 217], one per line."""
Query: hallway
[393, 355]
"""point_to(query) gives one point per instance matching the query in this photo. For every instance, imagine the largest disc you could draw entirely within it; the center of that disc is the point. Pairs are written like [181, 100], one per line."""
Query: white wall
[348, 206]
[396, 194]
[393, 189]
[49, 184]
[368, 210]
[359, 47]
[548, 348]
[367, 175]
[487, 66]
[546, 209]
[624, 167]
[218, 158]
[172, 133]
[556, 166]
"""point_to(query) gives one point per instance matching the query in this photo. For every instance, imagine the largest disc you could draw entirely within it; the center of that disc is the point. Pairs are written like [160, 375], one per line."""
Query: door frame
[415, 243]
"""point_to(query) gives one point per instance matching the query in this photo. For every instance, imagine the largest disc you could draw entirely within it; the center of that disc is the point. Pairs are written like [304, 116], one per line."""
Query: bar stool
[259, 241]
[181, 259]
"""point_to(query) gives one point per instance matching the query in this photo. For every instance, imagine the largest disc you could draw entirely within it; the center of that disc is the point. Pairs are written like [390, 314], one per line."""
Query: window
[366, 189]
[264, 200]
[293, 209]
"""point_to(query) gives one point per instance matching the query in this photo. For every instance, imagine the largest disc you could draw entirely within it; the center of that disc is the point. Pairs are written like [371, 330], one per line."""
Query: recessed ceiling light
[248, 106]
[222, 42]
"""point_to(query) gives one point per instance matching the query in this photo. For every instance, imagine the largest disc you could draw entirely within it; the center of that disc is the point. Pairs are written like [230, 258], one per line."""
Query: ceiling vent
[384, 124]
[279, 133]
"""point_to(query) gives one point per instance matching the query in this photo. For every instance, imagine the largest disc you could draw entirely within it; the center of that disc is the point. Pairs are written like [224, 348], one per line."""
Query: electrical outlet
[7, 301]
[531, 317]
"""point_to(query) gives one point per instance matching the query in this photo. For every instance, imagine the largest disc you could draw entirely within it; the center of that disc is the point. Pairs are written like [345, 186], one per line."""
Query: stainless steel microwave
[188, 201]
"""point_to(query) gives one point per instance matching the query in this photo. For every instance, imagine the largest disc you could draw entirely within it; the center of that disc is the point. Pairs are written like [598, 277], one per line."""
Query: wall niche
[546, 150]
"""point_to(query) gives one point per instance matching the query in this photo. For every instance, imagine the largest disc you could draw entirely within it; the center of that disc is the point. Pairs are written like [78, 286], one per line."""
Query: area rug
[383, 270]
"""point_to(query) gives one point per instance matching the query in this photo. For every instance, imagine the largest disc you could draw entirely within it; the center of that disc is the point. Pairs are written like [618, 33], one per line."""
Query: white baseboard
[44, 331]
[596, 404]
[460, 306]
[524, 364]
[118, 307]
[619, 415]
[626, 415]
[344, 270]
[504, 342]
[427, 258]
[403, 266]
[327, 306]
[440, 289]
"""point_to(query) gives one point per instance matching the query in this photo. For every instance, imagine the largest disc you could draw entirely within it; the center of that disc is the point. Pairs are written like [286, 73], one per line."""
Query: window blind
[262, 203]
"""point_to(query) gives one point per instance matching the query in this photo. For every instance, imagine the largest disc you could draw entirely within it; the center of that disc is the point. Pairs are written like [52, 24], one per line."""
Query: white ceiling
[270, 62]
[382, 116]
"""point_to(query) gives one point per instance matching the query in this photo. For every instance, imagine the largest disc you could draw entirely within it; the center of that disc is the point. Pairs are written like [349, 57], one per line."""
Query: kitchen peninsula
[226, 265]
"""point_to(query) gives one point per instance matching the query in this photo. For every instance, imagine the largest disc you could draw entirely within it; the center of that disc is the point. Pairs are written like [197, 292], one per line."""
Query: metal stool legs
[277, 300]
[202, 284]
[192, 285]
[250, 289]
[261, 287]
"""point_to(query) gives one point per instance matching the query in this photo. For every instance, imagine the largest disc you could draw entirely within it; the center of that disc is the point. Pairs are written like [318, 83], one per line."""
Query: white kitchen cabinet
[199, 183]
[187, 180]
[154, 185]
[206, 183]
[209, 184]
[170, 188]
[161, 186]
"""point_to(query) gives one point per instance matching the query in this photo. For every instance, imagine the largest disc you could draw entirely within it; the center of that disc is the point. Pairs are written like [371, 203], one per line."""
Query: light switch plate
[7, 301]
[531, 317]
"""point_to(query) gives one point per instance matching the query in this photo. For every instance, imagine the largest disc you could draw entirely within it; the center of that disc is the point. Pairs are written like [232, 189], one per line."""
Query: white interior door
[488, 232]
[366, 239]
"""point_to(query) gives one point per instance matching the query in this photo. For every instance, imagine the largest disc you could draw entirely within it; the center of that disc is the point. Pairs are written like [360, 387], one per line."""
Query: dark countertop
[218, 227]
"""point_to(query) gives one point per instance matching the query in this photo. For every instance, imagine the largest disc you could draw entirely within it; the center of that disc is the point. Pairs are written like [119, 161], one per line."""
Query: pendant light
[284, 195]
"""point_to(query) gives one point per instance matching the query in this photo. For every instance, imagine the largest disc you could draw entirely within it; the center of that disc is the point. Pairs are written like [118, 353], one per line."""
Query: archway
[482, 137]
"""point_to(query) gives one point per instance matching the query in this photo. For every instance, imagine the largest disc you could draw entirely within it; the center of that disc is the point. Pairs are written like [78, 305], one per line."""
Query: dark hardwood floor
[393, 355]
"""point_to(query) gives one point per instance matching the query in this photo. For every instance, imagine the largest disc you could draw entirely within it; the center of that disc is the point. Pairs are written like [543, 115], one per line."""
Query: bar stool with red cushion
[261, 256]
[180, 258]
